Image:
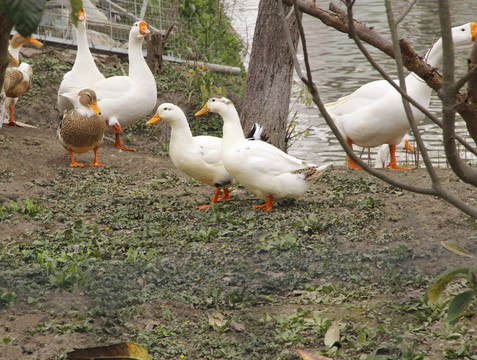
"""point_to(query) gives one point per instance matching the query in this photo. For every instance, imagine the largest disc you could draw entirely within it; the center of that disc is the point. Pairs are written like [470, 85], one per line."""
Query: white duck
[196, 156]
[264, 169]
[123, 100]
[84, 72]
[374, 115]
[383, 155]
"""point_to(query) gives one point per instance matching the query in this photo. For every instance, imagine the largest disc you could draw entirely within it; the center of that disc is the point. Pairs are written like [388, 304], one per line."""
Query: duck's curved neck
[434, 55]
[82, 39]
[415, 83]
[232, 129]
[180, 131]
[15, 52]
[137, 63]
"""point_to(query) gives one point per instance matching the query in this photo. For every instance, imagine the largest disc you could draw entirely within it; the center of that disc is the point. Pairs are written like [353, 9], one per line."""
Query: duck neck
[232, 129]
[137, 64]
[82, 39]
[15, 53]
[434, 55]
[180, 131]
[417, 86]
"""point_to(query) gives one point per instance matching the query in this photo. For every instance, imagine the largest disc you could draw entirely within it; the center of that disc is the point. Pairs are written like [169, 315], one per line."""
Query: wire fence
[108, 21]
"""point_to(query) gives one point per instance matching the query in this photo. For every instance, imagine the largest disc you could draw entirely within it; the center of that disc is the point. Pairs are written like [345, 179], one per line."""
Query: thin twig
[401, 18]
[402, 82]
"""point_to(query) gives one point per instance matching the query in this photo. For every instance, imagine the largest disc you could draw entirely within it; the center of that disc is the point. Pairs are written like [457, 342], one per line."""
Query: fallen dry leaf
[305, 355]
[456, 248]
[238, 326]
[332, 335]
[120, 351]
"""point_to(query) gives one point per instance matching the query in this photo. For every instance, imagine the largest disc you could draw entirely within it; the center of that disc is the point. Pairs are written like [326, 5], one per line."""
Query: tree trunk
[155, 49]
[270, 73]
[5, 27]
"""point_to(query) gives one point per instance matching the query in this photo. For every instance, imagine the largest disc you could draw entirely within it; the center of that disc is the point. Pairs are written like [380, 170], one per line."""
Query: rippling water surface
[339, 68]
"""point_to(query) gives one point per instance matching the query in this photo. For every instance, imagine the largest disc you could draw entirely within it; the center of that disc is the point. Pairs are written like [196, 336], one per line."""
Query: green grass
[139, 251]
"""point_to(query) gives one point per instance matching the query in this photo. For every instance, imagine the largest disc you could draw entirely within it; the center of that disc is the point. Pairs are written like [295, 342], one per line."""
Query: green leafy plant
[460, 302]
[8, 298]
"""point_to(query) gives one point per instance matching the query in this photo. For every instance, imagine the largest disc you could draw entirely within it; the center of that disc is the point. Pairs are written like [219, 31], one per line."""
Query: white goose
[123, 100]
[196, 156]
[374, 115]
[84, 72]
[264, 169]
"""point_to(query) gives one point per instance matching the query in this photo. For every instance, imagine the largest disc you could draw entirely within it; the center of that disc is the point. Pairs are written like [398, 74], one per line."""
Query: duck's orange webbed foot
[226, 195]
[119, 144]
[268, 206]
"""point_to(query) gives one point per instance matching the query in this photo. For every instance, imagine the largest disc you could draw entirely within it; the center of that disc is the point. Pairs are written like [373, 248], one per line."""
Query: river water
[339, 68]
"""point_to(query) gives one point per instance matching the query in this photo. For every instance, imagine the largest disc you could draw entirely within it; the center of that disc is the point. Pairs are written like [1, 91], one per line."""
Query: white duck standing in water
[262, 168]
[374, 115]
[84, 73]
[82, 129]
[123, 100]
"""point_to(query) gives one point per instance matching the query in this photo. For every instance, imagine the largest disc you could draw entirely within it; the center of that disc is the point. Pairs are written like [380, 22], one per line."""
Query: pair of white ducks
[374, 114]
[122, 100]
[18, 77]
[265, 170]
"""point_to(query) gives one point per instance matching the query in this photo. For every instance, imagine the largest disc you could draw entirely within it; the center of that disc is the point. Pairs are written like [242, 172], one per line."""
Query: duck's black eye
[213, 100]
[463, 29]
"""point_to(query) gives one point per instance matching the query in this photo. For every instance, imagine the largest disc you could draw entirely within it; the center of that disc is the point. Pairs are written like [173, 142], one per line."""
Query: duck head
[85, 102]
[139, 30]
[464, 35]
[167, 112]
[216, 105]
[15, 45]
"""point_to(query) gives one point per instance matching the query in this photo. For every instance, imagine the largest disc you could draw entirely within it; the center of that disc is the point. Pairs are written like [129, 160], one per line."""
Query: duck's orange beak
[143, 29]
[94, 106]
[205, 109]
[32, 40]
[81, 15]
[154, 119]
[473, 30]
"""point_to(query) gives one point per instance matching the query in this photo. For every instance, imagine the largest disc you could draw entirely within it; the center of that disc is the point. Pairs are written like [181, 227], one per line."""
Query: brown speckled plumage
[81, 133]
[310, 172]
[14, 84]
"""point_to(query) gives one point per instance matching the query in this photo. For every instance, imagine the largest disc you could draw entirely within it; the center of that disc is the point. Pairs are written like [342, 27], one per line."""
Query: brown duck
[82, 129]
[17, 82]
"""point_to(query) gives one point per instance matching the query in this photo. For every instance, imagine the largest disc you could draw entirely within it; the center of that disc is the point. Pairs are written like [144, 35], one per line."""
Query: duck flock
[91, 105]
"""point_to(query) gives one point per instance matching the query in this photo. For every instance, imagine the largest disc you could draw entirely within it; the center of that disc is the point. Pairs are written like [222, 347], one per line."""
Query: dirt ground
[31, 155]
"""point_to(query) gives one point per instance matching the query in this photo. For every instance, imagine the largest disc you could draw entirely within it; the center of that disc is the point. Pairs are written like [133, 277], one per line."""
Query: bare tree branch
[402, 82]
[401, 18]
[448, 97]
